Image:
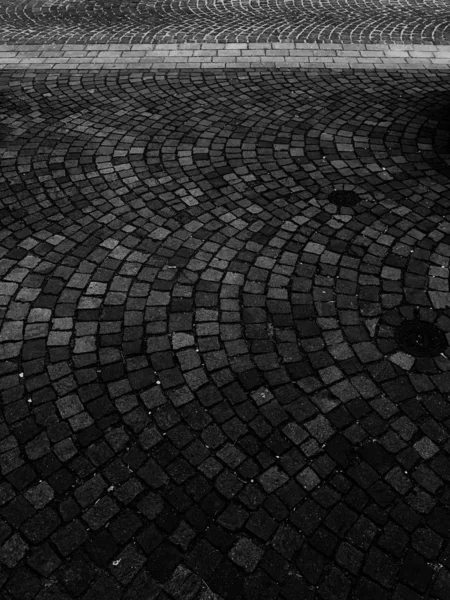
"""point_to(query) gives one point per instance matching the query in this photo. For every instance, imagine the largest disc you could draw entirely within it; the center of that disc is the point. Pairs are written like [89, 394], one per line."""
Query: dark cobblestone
[202, 395]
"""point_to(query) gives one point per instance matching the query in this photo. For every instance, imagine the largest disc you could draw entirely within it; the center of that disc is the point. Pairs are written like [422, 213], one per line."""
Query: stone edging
[232, 55]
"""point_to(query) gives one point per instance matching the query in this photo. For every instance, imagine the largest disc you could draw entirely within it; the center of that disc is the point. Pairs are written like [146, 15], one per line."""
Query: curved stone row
[115, 21]
[200, 367]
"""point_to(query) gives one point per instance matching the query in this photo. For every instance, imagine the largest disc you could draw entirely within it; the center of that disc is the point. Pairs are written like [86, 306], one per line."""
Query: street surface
[166, 21]
[224, 300]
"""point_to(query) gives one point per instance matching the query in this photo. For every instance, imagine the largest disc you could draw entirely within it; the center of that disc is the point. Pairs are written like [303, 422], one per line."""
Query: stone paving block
[183, 584]
[441, 53]
[13, 550]
[127, 565]
[246, 554]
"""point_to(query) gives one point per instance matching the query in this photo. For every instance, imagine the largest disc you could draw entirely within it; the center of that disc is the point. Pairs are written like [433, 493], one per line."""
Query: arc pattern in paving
[200, 381]
[131, 22]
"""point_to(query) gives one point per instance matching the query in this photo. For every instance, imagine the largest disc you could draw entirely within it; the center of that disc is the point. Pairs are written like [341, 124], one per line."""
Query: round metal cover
[420, 338]
[343, 198]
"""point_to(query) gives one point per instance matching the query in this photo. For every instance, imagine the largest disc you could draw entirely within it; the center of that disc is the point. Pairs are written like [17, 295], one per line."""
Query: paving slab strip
[231, 55]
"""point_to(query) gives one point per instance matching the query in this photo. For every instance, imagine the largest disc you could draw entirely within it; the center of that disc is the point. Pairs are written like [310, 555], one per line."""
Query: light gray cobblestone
[268, 54]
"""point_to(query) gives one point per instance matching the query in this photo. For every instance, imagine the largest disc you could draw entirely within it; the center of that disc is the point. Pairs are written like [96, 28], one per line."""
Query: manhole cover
[420, 338]
[344, 198]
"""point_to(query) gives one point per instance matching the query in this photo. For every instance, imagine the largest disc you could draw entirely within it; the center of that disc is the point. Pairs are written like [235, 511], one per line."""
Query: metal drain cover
[420, 338]
[344, 198]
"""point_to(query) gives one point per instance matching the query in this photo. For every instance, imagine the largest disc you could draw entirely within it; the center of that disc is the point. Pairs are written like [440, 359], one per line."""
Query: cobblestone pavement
[206, 387]
[162, 21]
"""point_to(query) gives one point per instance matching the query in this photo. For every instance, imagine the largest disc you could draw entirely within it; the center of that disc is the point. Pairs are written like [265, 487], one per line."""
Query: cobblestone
[202, 391]
[108, 29]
